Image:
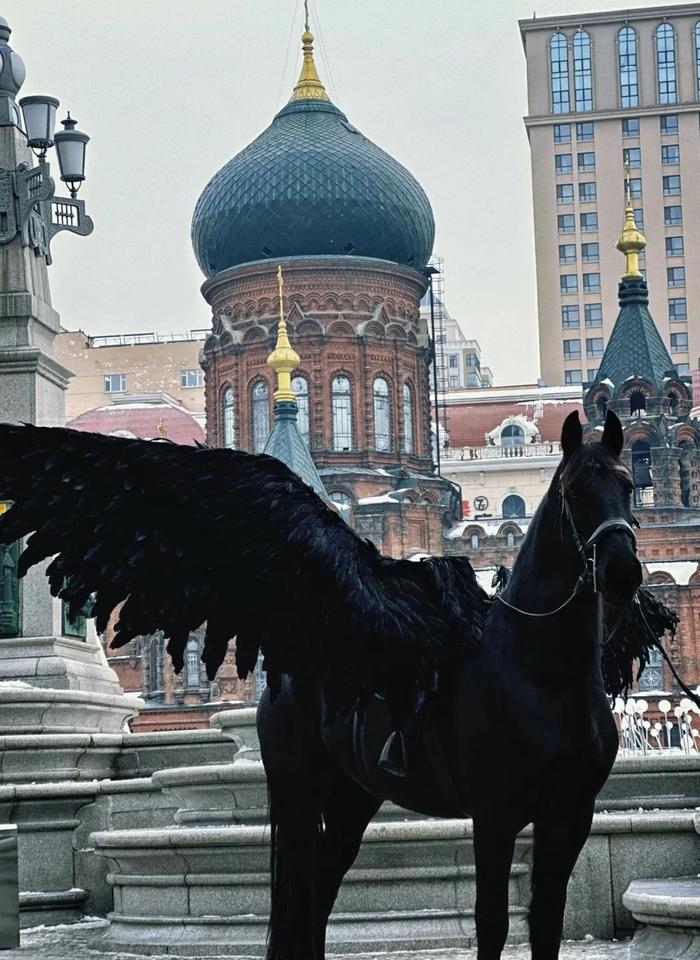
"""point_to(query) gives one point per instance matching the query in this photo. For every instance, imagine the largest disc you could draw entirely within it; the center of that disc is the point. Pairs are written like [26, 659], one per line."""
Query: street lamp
[70, 148]
[39, 122]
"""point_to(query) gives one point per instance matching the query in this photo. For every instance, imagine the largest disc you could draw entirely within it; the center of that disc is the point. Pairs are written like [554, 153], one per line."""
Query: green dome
[311, 184]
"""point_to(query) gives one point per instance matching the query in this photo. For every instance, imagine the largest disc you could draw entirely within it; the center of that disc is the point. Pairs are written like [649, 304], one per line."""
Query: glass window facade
[593, 313]
[630, 127]
[116, 382]
[584, 130]
[672, 184]
[586, 161]
[382, 415]
[408, 441]
[670, 153]
[341, 399]
[677, 308]
[594, 347]
[566, 223]
[569, 315]
[559, 67]
[562, 132]
[589, 221]
[572, 377]
[513, 507]
[696, 37]
[260, 402]
[228, 419]
[674, 246]
[568, 283]
[572, 349]
[590, 251]
[639, 220]
[666, 63]
[632, 156]
[679, 342]
[567, 253]
[583, 72]
[636, 186]
[587, 191]
[591, 283]
[192, 663]
[565, 193]
[300, 386]
[563, 163]
[673, 216]
[675, 276]
[669, 123]
[192, 378]
[627, 62]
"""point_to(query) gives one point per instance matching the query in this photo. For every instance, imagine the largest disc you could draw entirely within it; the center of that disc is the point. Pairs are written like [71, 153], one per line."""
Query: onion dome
[311, 185]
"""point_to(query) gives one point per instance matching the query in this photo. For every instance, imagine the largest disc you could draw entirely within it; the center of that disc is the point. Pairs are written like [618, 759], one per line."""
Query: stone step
[669, 914]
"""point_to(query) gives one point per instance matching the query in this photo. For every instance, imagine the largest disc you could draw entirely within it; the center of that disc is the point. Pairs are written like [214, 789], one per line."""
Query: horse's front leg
[494, 841]
[559, 838]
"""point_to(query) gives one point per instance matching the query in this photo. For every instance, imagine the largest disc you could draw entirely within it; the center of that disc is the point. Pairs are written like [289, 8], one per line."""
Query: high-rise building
[606, 90]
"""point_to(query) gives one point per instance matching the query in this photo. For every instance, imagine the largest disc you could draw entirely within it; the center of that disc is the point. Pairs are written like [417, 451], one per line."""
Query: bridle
[588, 551]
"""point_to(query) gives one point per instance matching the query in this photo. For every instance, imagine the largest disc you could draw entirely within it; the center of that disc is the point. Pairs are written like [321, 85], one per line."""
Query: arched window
[559, 67]
[228, 419]
[638, 402]
[602, 406]
[652, 677]
[382, 415]
[474, 541]
[341, 398]
[260, 402]
[512, 435]
[627, 60]
[155, 665]
[672, 403]
[513, 506]
[300, 386]
[192, 663]
[583, 73]
[340, 497]
[407, 418]
[666, 63]
[510, 539]
[697, 60]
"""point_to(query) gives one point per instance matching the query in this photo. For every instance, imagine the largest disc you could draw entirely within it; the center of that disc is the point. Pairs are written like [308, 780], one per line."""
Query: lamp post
[28, 205]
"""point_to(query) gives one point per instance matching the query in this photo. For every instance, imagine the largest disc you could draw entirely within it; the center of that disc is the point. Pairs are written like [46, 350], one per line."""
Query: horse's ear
[613, 437]
[571, 435]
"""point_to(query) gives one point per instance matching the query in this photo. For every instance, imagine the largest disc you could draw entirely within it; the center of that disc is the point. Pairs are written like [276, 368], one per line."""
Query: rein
[588, 551]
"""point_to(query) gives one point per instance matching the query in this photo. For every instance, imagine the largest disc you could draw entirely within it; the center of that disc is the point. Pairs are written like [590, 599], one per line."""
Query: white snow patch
[680, 570]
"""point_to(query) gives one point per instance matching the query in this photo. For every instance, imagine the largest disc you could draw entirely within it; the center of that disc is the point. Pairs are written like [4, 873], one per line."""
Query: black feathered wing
[182, 535]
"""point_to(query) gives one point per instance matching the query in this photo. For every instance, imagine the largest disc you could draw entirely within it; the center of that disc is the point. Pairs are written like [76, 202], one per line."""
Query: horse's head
[595, 489]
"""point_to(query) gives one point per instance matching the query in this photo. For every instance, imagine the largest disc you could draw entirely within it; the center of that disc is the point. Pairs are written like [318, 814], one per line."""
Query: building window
[513, 507]
[592, 373]
[669, 123]
[672, 185]
[589, 221]
[563, 163]
[572, 377]
[652, 676]
[155, 665]
[510, 539]
[340, 497]
[407, 418]
[115, 383]
[627, 61]
[471, 360]
[679, 342]
[594, 347]
[454, 381]
[342, 413]
[569, 315]
[260, 403]
[666, 63]
[583, 74]
[566, 223]
[670, 153]
[673, 216]
[192, 378]
[674, 246]
[228, 419]
[635, 187]
[512, 435]
[300, 386]
[632, 156]
[567, 253]
[587, 192]
[630, 127]
[584, 131]
[474, 542]
[677, 308]
[697, 61]
[572, 349]
[589, 252]
[559, 72]
[382, 415]
[568, 283]
[593, 314]
[591, 283]
[586, 161]
[682, 368]
[192, 663]
[639, 220]
[453, 360]
[562, 133]
[565, 193]
[675, 276]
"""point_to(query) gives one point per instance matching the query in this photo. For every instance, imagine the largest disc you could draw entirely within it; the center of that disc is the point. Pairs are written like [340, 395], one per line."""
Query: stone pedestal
[669, 911]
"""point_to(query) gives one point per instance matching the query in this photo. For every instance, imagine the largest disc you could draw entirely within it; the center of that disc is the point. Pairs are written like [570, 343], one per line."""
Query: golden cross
[280, 287]
[306, 15]
[628, 185]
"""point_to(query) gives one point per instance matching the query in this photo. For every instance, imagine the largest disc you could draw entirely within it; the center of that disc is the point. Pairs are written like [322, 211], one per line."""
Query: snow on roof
[490, 525]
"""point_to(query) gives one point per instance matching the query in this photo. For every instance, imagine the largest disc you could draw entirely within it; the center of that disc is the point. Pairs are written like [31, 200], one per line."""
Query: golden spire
[309, 86]
[632, 241]
[284, 357]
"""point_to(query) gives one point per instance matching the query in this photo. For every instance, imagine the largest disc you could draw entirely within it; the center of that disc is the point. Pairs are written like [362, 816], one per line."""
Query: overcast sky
[168, 91]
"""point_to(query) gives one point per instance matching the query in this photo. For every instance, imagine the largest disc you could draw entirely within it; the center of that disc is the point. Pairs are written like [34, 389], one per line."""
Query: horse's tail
[296, 930]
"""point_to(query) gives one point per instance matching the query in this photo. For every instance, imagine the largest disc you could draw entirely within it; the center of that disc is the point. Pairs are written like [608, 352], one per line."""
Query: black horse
[535, 688]
[361, 651]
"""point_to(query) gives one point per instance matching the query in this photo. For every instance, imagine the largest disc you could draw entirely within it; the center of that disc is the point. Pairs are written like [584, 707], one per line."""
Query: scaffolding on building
[439, 371]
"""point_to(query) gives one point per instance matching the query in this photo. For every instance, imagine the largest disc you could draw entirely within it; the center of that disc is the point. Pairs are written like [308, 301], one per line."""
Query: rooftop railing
[513, 451]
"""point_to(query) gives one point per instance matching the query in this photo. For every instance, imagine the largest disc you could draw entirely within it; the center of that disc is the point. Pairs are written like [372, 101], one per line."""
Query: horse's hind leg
[559, 839]
[346, 813]
[494, 842]
[298, 775]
